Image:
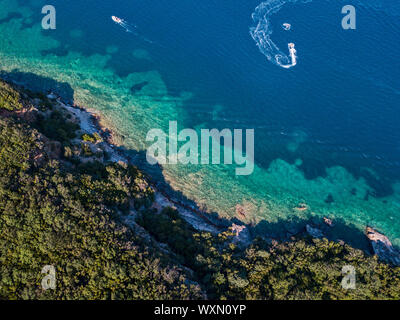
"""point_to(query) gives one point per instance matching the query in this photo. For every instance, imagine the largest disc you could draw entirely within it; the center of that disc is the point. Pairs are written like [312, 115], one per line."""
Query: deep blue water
[339, 106]
[344, 92]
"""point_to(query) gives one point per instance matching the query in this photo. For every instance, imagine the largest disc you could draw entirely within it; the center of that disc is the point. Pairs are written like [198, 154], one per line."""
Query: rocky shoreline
[90, 122]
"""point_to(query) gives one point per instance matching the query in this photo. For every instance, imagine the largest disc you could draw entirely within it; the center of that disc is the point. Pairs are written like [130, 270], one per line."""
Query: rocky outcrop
[242, 234]
[240, 211]
[382, 247]
[329, 222]
[314, 232]
[237, 229]
[301, 207]
[27, 114]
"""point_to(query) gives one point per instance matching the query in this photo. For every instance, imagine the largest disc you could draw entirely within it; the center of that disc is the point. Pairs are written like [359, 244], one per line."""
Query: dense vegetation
[10, 98]
[55, 127]
[68, 213]
[302, 269]
[70, 220]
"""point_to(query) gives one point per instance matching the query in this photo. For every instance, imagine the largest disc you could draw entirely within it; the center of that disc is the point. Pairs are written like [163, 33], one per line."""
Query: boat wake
[131, 28]
[124, 24]
[127, 26]
[262, 31]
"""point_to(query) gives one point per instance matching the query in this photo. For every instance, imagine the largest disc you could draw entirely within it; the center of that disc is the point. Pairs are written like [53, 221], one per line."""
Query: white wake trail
[131, 28]
[262, 32]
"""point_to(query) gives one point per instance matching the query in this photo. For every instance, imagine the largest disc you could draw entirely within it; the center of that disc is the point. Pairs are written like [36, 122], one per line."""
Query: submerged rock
[329, 222]
[329, 199]
[314, 232]
[240, 211]
[293, 229]
[382, 247]
[301, 207]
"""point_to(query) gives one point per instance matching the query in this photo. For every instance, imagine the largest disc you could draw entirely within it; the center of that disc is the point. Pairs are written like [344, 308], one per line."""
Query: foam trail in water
[132, 29]
[262, 32]
[124, 24]
[127, 26]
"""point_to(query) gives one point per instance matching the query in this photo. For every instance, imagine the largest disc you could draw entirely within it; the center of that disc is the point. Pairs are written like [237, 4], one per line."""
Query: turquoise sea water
[326, 131]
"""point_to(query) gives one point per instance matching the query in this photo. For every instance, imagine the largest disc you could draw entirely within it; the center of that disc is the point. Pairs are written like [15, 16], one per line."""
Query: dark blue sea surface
[330, 123]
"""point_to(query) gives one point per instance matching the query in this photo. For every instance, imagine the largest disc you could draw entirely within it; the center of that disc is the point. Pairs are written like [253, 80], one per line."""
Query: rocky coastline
[380, 244]
[90, 122]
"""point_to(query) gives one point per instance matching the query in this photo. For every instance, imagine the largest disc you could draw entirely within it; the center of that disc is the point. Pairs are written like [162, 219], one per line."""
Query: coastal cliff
[382, 246]
[71, 199]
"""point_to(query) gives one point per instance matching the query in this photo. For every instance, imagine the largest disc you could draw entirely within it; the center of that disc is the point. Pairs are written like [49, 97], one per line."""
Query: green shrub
[87, 152]
[10, 99]
[88, 138]
[56, 127]
[95, 137]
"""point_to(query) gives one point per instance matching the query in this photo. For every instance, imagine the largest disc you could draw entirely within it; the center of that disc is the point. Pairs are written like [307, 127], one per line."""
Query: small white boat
[116, 19]
[292, 53]
[293, 56]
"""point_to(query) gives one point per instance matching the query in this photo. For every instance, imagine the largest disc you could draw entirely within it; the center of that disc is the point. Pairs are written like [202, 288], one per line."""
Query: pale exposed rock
[123, 164]
[51, 96]
[242, 234]
[27, 114]
[382, 246]
[329, 222]
[314, 232]
[194, 219]
[237, 229]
